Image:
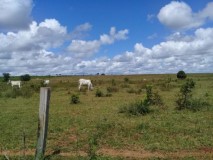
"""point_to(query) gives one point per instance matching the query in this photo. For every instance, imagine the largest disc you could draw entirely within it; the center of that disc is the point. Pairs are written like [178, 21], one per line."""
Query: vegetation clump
[25, 77]
[153, 98]
[181, 75]
[185, 94]
[143, 107]
[6, 77]
[75, 99]
[185, 100]
[99, 93]
[136, 108]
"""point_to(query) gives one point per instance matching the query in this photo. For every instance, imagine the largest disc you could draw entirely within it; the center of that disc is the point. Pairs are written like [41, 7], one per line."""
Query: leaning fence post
[42, 122]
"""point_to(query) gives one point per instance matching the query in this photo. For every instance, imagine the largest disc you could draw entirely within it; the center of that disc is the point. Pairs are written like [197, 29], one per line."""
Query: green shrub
[181, 75]
[99, 93]
[75, 99]
[196, 104]
[25, 77]
[26, 91]
[136, 108]
[108, 95]
[111, 89]
[185, 94]
[113, 82]
[6, 77]
[13, 93]
[153, 98]
[126, 80]
[125, 85]
[136, 91]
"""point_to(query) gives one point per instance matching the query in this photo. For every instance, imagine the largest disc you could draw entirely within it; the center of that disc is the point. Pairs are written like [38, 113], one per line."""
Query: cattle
[15, 83]
[46, 82]
[85, 82]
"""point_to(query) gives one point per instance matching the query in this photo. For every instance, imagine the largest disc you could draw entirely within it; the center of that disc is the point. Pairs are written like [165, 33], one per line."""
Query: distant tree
[25, 77]
[6, 77]
[181, 75]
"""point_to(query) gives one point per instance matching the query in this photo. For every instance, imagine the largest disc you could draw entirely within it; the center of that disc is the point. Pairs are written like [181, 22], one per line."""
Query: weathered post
[42, 122]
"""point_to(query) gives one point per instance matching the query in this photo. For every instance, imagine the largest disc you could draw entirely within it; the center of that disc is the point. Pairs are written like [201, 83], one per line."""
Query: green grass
[71, 126]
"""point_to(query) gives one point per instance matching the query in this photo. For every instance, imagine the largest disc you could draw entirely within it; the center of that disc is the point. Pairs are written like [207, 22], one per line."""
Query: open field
[94, 127]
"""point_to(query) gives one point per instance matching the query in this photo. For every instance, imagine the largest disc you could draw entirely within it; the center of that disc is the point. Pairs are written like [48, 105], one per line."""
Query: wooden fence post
[43, 122]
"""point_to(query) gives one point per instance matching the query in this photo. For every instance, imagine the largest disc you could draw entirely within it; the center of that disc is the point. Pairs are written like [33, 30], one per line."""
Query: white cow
[15, 83]
[85, 82]
[46, 82]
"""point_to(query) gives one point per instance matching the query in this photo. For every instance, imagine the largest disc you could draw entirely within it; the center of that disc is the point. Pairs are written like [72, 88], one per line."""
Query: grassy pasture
[95, 124]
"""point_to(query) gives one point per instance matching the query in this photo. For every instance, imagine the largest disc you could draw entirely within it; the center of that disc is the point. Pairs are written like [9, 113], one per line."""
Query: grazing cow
[46, 82]
[15, 83]
[85, 82]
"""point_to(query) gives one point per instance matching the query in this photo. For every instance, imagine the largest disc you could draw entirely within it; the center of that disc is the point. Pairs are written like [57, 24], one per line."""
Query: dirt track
[130, 154]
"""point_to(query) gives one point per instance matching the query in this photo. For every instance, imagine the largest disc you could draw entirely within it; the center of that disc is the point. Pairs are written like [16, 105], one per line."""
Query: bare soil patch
[124, 153]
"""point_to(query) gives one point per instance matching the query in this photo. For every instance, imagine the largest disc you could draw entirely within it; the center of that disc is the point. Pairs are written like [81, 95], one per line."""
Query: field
[96, 129]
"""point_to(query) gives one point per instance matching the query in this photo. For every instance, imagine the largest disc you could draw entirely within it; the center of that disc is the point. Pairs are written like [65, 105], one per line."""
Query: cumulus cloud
[179, 15]
[80, 31]
[47, 34]
[15, 15]
[194, 55]
[81, 48]
[32, 50]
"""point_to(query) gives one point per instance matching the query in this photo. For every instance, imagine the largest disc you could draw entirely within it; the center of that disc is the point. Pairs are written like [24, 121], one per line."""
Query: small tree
[181, 75]
[185, 94]
[25, 77]
[6, 77]
[75, 99]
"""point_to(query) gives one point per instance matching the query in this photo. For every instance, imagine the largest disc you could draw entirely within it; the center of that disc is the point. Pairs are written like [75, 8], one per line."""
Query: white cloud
[81, 48]
[32, 50]
[208, 11]
[194, 55]
[15, 15]
[150, 17]
[47, 34]
[80, 31]
[153, 36]
[179, 15]
[170, 56]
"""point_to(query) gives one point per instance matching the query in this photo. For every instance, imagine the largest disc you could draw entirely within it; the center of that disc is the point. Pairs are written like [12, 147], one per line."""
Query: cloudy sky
[49, 37]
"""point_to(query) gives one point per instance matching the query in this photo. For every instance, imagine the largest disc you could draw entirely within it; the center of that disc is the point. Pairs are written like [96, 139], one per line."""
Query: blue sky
[43, 37]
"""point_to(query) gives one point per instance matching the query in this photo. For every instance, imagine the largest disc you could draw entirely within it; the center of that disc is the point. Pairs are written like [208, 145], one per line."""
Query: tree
[25, 77]
[181, 75]
[185, 94]
[6, 77]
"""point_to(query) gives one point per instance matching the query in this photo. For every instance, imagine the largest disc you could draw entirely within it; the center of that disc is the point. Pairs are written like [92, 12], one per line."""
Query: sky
[75, 37]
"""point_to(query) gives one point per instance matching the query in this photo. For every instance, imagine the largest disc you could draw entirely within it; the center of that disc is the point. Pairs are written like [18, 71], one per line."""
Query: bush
[126, 80]
[112, 89]
[108, 95]
[185, 94]
[136, 91]
[196, 104]
[25, 77]
[153, 98]
[99, 93]
[75, 99]
[136, 108]
[113, 82]
[181, 75]
[6, 77]
[26, 91]
[13, 93]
